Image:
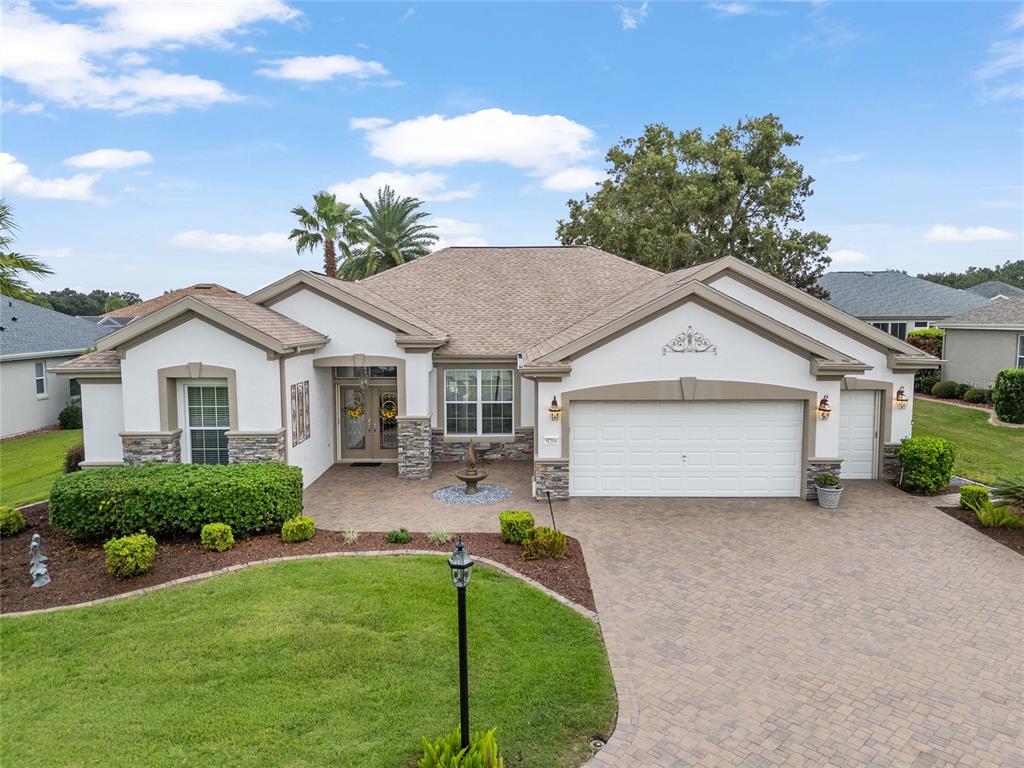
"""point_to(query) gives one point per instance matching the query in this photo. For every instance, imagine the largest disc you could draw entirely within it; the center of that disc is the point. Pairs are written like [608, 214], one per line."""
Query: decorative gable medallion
[690, 341]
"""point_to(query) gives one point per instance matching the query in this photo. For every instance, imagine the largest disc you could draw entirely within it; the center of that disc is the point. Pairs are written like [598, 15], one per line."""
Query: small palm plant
[393, 234]
[14, 266]
[332, 226]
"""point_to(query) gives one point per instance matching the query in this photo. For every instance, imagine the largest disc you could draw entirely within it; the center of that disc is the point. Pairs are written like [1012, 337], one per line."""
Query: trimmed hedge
[217, 537]
[544, 543]
[12, 522]
[978, 395]
[297, 529]
[928, 339]
[946, 389]
[130, 555]
[175, 499]
[1008, 395]
[927, 463]
[516, 525]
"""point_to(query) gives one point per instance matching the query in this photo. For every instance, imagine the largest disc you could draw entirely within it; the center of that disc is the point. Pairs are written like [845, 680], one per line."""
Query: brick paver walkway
[769, 632]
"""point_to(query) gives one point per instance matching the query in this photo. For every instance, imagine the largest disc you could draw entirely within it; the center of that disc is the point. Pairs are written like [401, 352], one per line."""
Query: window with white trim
[893, 328]
[40, 379]
[208, 419]
[1020, 351]
[478, 401]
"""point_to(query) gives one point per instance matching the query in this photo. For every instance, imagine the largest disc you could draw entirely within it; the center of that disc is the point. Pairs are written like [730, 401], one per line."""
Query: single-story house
[980, 343]
[896, 302]
[611, 378]
[124, 315]
[33, 339]
[996, 289]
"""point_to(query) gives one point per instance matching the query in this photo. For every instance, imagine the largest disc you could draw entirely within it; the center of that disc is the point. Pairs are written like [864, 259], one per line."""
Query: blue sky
[150, 146]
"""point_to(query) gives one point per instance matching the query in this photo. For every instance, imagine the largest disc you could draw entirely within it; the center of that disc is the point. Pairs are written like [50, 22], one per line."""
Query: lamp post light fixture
[901, 398]
[461, 566]
[554, 410]
[824, 409]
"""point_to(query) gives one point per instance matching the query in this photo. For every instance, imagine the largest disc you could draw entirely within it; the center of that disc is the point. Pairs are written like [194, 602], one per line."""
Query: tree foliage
[677, 199]
[1011, 272]
[393, 233]
[15, 267]
[71, 302]
[331, 226]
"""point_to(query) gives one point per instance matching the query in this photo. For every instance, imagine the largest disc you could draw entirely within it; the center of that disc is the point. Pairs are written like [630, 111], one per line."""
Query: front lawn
[984, 451]
[333, 662]
[30, 464]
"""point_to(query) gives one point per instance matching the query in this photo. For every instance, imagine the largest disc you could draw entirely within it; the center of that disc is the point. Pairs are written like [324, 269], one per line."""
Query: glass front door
[369, 423]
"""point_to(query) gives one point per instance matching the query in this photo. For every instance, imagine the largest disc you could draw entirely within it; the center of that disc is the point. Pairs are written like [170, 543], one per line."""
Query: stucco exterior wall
[976, 356]
[22, 410]
[102, 422]
[316, 454]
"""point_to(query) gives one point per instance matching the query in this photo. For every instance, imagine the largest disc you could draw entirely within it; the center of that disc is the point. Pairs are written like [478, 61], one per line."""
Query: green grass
[29, 465]
[984, 451]
[344, 662]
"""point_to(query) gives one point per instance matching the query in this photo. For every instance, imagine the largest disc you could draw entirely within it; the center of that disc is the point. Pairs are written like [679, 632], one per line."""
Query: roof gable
[148, 307]
[990, 289]
[1007, 314]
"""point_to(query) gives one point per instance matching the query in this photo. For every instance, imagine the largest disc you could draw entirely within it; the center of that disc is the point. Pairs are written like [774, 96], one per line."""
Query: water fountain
[471, 474]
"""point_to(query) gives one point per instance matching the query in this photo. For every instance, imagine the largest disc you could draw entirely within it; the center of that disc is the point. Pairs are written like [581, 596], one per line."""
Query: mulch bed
[1008, 537]
[78, 571]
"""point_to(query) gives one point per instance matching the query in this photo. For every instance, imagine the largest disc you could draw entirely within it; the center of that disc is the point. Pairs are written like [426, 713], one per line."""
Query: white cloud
[29, 108]
[1000, 77]
[219, 242]
[368, 123]
[15, 179]
[574, 179]
[848, 256]
[133, 59]
[53, 253]
[1018, 20]
[456, 232]
[632, 17]
[110, 159]
[428, 186]
[849, 157]
[319, 68]
[942, 233]
[732, 9]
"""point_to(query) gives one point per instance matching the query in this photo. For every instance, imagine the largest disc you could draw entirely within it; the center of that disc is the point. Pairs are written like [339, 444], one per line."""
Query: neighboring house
[980, 343]
[996, 289]
[895, 302]
[33, 339]
[613, 379]
[125, 315]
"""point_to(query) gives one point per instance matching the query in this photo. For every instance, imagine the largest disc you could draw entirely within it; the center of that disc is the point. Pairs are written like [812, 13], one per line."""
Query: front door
[368, 423]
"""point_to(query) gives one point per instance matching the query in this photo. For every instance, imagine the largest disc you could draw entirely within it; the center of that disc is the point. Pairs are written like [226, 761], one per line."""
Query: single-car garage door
[857, 433]
[705, 448]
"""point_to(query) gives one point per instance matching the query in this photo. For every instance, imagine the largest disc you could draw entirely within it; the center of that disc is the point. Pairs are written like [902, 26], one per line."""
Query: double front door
[368, 422]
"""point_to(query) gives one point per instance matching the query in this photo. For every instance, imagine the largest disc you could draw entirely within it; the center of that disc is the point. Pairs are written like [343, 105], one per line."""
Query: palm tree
[393, 235]
[331, 224]
[13, 266]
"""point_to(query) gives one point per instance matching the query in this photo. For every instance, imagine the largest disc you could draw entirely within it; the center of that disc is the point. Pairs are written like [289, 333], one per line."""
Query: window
[372, 371]
[922, 324]
[1020, 351]
[40, 379]
[207, 423]
[893, 328]
[478, 401]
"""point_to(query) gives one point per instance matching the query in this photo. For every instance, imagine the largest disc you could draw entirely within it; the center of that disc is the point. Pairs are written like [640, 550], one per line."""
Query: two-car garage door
[705, 448]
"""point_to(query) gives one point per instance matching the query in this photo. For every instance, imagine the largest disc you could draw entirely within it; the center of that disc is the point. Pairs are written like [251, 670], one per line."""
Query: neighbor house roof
[28, 330]
[199, 290]
[992, 288]
[894, 295]
[1007, 314]
[494, 301]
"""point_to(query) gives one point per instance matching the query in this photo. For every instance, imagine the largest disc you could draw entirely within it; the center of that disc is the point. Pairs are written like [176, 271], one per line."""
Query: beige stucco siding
[22, 409]
[976, 356]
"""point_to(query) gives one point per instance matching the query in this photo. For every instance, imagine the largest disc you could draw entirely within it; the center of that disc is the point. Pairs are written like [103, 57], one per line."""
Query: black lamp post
[461, 566]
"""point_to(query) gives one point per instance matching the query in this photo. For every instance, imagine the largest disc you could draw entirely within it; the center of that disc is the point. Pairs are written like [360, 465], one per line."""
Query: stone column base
[414, 458]
[253, 447]
[890, 462]
[551, 475]
[816, 468]
[151, 447]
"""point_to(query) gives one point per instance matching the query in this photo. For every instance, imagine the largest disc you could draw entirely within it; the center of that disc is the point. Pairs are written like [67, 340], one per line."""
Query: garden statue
[37, 563]
[470, 474]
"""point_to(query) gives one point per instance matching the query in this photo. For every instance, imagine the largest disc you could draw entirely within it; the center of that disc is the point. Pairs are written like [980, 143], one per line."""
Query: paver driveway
[769, 632]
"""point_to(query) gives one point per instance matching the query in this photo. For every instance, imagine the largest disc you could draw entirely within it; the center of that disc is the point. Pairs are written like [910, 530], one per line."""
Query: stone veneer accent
[551, 476]
[254, 447]
[414, 454]
[151, 447]
[519, 448]
[814, 469]
[890, 462]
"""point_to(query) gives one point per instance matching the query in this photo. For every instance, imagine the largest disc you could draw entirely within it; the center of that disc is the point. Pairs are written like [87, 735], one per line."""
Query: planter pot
[829, 497]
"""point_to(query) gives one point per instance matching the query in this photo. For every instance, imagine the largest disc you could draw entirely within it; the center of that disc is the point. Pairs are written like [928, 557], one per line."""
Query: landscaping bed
[1008, 537]
[79, 575]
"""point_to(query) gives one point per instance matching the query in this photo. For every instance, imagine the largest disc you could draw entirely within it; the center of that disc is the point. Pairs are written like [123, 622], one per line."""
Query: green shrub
[925, 380]
[439, 536]
[927, 463]
[1008, 395]
[217, 537]
[398, 536]
[544, 543]
[972, 493]
[977, 395]
[928, 339]
[962, 390]
[130, 555]
[70, 417]
[175, 499]
[945, 389]
[827, 480]
[12, 522]
[446, 752]
[73, 456]
[351, 537]
[1009, 491]
[297, 529]
[516, 525]
[994, 516]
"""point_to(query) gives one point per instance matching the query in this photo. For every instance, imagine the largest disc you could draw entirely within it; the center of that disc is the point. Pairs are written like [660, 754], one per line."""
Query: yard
[30, 464]
[984, 451]
[308, 663]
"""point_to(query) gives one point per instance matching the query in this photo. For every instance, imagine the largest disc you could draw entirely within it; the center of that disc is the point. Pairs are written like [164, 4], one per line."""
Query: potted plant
[829, 490]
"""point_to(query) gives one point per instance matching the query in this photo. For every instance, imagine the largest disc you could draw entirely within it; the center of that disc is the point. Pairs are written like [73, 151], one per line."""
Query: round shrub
[927, 463]
[546, 543]
[977, 395]
[70, 417]
[297, 529]
[217, 537]
[973, 495]
[74, 456]
[962, 390]
[924, 381]
[516, 525]
[130, 555]
[1008, 395]
[946, 389]
[12, 522]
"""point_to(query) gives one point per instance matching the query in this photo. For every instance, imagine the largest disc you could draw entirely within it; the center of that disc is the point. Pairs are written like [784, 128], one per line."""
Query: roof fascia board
[1019, 327]
[48, 353]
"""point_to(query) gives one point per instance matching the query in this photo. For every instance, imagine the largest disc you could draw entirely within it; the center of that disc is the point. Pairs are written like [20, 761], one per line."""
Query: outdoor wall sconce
[554, 410]
[901, 398]
[824, 409]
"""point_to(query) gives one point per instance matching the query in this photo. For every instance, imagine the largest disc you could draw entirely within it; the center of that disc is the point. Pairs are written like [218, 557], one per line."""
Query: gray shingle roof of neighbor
[1007, 313]
[893, 295]
[992, 288]
[29, 329]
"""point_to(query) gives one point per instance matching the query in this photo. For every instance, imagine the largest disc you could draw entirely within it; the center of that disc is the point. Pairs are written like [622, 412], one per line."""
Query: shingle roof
[499, 301]
[361, 290]
[895, 295]
[992, 288]
[1003, 314]
[198, 290]
[38, 330]
[93, 361]
[275, 325]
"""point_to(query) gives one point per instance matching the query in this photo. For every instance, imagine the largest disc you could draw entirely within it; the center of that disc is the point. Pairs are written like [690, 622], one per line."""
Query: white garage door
[857, 436]
[686, 448]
